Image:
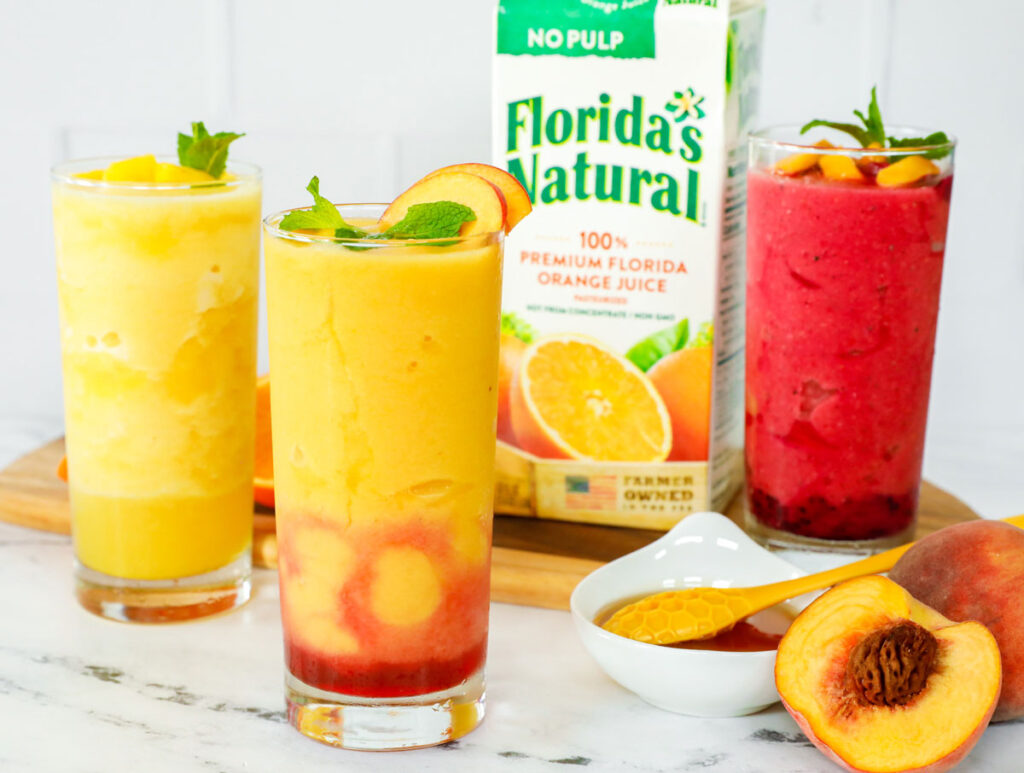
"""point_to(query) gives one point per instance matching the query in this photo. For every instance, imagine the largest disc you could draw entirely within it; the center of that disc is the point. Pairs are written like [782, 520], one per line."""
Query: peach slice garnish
[483, 197]
[880, 682]
[516, 197]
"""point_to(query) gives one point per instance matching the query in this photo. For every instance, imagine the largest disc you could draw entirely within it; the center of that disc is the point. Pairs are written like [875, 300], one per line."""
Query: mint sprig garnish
[204, 151]
[323, 214]
[872, 130]
[432, 220]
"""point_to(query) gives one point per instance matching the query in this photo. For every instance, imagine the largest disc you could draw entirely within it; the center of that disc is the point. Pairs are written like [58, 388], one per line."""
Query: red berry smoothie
[843, 286]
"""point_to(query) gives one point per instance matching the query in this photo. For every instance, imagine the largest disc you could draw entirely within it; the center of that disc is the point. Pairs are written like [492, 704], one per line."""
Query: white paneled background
[369, 95]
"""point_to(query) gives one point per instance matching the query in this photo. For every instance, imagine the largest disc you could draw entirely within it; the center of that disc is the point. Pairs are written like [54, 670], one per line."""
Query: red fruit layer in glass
[393, 660]
[842, 299]
[356, 676]
[856, 519]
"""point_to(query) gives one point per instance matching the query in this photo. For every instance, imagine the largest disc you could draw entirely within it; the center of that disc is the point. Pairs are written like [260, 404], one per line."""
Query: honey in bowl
[761, 632]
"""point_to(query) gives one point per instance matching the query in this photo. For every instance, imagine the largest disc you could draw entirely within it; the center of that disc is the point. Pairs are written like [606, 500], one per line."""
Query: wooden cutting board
[535, 562]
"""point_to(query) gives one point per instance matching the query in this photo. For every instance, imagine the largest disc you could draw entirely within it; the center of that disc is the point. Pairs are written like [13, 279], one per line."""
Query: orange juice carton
[621, 384]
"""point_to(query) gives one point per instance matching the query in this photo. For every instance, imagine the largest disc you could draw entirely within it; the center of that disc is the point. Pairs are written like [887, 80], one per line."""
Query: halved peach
[880, 682]
[483, 197]
[516, 197]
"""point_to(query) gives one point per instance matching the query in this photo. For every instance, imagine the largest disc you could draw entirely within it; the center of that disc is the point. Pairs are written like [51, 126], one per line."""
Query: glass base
[385, 724]
[164, 601]
[784, 540]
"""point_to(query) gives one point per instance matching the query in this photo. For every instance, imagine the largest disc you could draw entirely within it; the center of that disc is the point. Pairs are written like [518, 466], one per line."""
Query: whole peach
[975, 571]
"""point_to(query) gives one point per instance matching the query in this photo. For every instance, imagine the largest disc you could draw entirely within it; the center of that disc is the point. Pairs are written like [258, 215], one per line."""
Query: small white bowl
[704, 549]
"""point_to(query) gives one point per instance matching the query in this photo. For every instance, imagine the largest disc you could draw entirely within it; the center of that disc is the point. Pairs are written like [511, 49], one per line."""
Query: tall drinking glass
[158, 287]
[844, 264]
[384, 396]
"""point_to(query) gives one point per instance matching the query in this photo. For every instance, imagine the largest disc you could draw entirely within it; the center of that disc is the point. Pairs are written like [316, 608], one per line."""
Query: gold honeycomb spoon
[700, 613]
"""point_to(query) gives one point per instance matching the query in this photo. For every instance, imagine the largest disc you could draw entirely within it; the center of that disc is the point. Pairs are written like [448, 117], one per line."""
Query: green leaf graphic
[648, 351]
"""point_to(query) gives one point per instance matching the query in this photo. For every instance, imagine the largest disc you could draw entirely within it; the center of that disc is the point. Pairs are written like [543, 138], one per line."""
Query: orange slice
[263, 469]
[572, 398]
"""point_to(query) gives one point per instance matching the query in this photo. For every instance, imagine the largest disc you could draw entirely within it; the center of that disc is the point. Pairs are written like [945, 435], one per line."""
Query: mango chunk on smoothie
[874, 159]
[906, 171]
[146, 169]
[172, 173]
[799, 163]
[840, 168]
[139, 169]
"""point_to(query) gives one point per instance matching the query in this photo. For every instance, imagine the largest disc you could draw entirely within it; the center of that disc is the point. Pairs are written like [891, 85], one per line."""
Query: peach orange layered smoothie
[158, 278]
[384, 349]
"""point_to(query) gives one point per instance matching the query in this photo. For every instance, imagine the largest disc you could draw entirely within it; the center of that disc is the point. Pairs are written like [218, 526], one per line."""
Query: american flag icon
[591, 492]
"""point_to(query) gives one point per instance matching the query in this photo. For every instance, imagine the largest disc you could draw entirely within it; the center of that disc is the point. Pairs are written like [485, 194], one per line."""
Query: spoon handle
[765, 596]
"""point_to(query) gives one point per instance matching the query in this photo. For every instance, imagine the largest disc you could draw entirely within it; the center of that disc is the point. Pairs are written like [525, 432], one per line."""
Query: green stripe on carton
[621, 29]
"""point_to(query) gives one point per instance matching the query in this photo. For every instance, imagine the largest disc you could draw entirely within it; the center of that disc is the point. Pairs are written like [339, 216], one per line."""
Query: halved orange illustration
[573, 398]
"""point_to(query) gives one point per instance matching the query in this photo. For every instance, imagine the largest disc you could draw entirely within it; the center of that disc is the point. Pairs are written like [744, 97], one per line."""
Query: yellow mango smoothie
[158, 286]
[383, 357]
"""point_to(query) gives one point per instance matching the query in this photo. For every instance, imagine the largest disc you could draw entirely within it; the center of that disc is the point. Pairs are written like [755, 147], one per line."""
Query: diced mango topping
[906, 171]
[840, 168]
[172, 173]
[146, 169]
[799, 163]
[873, 159]
[140, 169]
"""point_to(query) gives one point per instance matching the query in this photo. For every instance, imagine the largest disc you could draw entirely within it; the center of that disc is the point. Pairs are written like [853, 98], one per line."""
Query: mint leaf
[204, 151]
[648, 351]
[935, 138]
[349, 232]
[514, 325]
[433, 220]
[853, 130]
[323, 214]
[873, 129]
[873, 123]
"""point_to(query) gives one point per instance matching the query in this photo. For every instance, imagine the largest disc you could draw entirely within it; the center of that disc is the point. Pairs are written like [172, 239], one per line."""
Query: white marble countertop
[83, 695]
